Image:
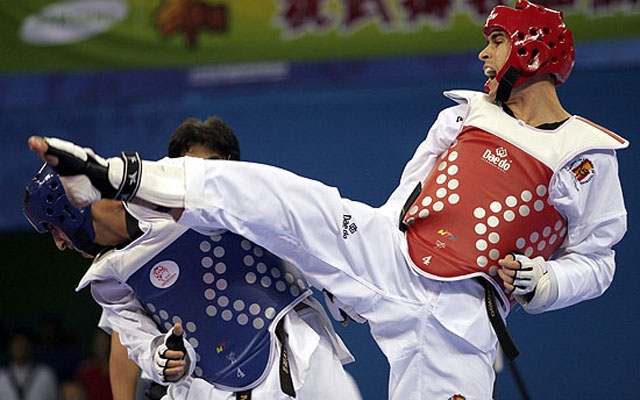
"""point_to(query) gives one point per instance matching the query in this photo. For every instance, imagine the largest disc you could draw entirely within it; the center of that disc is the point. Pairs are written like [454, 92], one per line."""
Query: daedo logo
[72, 21]
[497, 159]
[348, 227]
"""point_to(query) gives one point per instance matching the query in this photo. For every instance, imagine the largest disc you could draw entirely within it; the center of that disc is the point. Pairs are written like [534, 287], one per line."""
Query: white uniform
[435, 332]
[315, 352]
[32, 382]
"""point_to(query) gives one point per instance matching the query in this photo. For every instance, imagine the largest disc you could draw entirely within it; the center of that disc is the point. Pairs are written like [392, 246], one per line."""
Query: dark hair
[213, 133]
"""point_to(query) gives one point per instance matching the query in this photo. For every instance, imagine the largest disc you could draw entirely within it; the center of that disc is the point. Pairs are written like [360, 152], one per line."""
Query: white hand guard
[171, 342]
[535, 288]
[88, 177]
[529, 274]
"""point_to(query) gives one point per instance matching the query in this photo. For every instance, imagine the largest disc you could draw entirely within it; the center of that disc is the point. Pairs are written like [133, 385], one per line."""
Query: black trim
[131, 176]
[412, 198]
[133, 228]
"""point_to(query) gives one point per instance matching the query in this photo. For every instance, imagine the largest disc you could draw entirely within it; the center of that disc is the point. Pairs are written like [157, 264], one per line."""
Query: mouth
[490, 72]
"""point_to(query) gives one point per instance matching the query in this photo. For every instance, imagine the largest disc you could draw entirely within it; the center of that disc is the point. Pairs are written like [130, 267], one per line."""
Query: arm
[69, 159]
[88, 177]
[585, 264]
[300, 220]
[123, 372]
[138, 334]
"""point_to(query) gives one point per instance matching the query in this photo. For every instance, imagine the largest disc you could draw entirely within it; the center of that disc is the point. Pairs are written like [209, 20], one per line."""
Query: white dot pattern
[205, 246]
[219, 251]
[258, 273]
[242, 287]
[221, 268]
[223, 306]
[490, 229]
[512, 208]
[206, 262]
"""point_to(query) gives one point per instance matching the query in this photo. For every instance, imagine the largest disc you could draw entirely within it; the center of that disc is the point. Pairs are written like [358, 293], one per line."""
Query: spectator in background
[93, 372]
[3, 343]
[73, 389]
[55, 347]
[24, 378]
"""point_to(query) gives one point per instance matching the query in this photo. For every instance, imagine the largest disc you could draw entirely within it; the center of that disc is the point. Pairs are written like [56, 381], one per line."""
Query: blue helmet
[46, 206]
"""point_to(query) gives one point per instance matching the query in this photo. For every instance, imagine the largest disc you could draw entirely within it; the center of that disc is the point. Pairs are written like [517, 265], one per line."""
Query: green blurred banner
[39, 35]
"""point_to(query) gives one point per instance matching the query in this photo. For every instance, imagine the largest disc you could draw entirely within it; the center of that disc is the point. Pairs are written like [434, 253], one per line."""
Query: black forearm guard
[69, 165]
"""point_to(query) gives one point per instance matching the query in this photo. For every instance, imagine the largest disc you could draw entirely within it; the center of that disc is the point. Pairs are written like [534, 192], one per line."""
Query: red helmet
[540, 42]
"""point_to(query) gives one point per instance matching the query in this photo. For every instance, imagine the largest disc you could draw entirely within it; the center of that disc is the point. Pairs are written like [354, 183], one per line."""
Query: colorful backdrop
[41, 35]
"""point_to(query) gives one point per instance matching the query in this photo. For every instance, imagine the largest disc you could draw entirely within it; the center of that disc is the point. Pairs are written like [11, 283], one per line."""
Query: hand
[169, 357]
[534, 286]
[40, 146]
[86, 176]
[508, 271]
[521, 274]
[69, 161]
[529, 281]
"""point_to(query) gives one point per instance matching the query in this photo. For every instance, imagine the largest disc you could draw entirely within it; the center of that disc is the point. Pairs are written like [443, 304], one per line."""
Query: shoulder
[466, 96]
[465, 101]
[614, 140]
[584, 137]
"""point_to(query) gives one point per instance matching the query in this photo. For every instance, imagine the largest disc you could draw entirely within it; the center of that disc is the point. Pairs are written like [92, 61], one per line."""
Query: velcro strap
[131, 176]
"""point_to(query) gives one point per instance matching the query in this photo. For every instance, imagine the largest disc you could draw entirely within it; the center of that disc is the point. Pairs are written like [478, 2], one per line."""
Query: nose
[484, 53]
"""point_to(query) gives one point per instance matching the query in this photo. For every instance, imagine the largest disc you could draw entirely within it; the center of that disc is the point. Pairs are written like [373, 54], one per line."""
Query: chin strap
[507, 81]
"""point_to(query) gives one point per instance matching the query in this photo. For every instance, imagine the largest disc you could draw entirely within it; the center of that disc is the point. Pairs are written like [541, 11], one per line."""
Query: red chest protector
[488, 194]
[477, 205]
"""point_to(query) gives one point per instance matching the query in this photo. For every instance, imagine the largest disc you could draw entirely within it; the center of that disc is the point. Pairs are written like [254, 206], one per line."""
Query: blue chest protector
[228, 293]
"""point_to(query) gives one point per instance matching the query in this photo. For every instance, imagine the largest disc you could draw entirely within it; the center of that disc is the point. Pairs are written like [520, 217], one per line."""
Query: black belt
[286, 383]
[504, 338]
[155, 391]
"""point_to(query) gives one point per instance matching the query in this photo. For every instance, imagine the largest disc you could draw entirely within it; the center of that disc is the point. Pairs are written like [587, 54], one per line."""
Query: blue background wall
[351, 125]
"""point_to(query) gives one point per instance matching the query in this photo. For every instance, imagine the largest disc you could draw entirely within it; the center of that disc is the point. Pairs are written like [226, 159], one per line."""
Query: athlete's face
[63, 242]
[494, 56]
